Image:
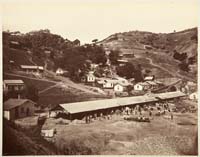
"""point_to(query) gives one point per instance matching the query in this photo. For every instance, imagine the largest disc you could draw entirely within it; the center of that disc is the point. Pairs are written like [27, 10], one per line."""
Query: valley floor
[162, 136]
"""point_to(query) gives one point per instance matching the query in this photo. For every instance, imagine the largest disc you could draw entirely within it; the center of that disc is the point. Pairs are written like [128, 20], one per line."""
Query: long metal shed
[87, 106]
[169, 95]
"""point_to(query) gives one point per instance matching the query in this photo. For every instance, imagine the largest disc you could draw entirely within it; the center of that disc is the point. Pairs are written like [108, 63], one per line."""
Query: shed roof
[86, 106]
[13, 81]
[149, 78]
[170, 95]
[32, 67]
[78, 107]
[12, 103]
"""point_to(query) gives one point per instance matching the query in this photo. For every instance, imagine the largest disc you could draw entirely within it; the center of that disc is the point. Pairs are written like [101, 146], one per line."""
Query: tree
[138, 75]
[114, 56]
[95, 40]
[184, 66]
[32, 93]
[126, 70]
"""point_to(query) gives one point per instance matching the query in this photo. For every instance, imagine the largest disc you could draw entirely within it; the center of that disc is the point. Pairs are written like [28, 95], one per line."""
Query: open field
[162, 136]
[59, 95]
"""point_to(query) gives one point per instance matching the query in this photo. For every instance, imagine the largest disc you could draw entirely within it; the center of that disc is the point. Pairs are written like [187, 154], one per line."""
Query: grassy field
[57, 95]
[162, 136]
[158, 72]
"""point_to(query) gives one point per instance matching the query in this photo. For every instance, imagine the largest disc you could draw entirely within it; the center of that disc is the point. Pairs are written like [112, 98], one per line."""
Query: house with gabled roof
[13, 85]
[18, 108]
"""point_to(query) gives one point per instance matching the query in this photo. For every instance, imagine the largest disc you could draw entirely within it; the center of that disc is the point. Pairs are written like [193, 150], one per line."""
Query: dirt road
[74, 85]
[176, 74]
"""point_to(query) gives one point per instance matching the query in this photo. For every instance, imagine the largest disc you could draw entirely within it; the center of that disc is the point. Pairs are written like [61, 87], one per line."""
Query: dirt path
[176, 74]
[158, 66]
[46, 89]
[73, 85]
[11, 74]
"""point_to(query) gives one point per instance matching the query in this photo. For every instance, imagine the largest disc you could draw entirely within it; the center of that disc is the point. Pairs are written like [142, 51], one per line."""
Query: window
[22, 110]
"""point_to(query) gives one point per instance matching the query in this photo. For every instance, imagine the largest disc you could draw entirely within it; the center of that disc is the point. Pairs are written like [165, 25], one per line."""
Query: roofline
[154, 99]
[18, 105]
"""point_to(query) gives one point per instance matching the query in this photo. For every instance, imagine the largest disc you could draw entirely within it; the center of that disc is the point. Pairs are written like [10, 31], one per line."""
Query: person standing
[172, 116]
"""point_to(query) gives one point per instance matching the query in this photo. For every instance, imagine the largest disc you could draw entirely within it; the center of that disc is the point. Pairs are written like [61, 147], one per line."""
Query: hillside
[16, 142]
[159, 47]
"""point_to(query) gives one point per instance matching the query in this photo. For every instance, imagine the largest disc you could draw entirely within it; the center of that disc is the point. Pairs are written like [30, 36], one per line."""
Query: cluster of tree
[185, 61]
[184, 66]
[179, 56]
[37, 41]
[114, 56]
[76, 60]
[130, 71]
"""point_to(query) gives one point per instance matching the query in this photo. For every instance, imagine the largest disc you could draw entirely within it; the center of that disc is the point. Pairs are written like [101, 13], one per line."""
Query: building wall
[59, 72]
[6, 114]
[14, 87]
[108, 85]
[138, 87]
[193, 96]
[118, 88]
[90, 78]
[25, 110]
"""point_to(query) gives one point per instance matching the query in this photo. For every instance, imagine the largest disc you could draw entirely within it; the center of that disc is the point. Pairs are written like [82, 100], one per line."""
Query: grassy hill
[163, 47]
[18, 142]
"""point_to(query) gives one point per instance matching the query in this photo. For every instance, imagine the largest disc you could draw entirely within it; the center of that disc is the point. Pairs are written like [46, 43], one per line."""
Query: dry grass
[159, 137]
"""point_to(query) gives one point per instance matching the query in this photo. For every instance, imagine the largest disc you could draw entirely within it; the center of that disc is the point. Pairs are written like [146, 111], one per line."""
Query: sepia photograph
[85, 77]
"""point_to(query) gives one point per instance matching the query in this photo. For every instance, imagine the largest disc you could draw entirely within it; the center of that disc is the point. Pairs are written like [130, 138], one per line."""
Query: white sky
[91, 19]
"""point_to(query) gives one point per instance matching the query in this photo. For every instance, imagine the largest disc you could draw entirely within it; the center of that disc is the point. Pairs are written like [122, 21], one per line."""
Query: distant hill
[161, 44]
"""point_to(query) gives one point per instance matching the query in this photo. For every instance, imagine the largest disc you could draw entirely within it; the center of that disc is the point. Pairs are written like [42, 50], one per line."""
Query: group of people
[138, 110]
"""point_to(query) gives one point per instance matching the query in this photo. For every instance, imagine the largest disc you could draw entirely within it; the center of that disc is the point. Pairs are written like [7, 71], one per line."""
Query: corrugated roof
[148, 78]
[13, 81]
[32, 67]
[104, 104]
[170, 95]
[85, 106]
[12, 103]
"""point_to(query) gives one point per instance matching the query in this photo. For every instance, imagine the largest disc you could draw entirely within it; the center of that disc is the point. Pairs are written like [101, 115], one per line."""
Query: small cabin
[13, 85]
[149, 78]
[59, 71]
[141, 86]
[32, 69]
[119, 88]
[18, 108]
[193, 96]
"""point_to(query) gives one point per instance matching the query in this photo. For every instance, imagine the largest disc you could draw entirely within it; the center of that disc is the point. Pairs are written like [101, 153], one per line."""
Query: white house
[149, 78]
[90, 78]
[141, 86]
[48, 133]
[119, 87]
[32, 68]
[193, 96]
[108, 84]
[122, 62]
[59, 71]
